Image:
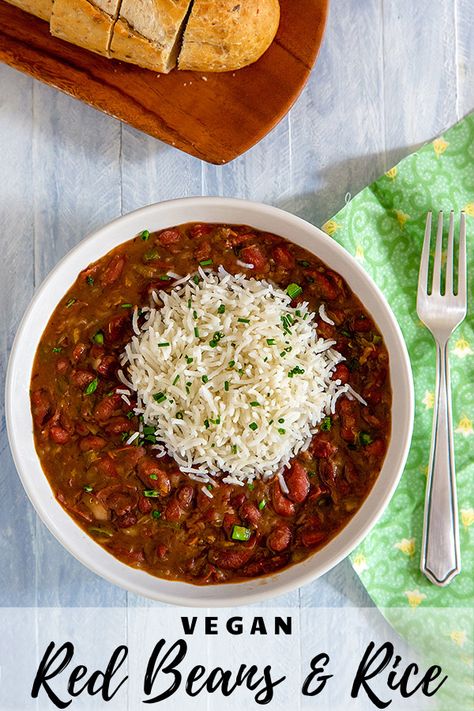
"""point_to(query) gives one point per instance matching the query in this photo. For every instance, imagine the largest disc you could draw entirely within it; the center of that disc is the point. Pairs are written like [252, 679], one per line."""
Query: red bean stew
[143, 510]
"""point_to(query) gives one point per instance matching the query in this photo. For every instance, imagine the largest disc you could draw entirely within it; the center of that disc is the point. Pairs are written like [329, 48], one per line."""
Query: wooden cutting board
[215, 117]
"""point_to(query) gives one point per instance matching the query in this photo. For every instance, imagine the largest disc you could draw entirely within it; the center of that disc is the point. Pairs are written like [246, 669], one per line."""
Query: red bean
[107, 407]
[79, 351]
[173, 511]
[238, 500]
[376, 448]
[250, 514]
[280, 538]
[92, 443]
[202, 252]
[297, 482]
[161, 551]
[120, 498]
[253, 255]
[321, 448]
[144, 505]
[113, 270]
[185, 496]
[362, 324]
[324, 285]
[126, 520]
[59, 435]
[82, 378]
[117, 425]
[232, 558]
[106, 366]
[62, 366]
[200, 230]
[347, 410]
[282, 505]
[168, 237]
[310, 537]
[154, 477]
[283, 257]
[265, 566]
[106, 466]
[41, 407]
[341, 372]
[117, 328]
[327, 471]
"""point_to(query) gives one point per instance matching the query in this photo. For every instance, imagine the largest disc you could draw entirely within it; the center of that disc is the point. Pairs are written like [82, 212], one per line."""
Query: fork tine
[462, 258]
[425, 258]
[435, 289]
[449, 259]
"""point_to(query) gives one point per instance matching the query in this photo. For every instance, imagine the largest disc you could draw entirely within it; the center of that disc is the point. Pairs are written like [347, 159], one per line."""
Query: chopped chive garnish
[213, 343]
[196, 279]
[240, 533]
[206, 424]
[254, 403]
[188, 384]
[88, 488]
[226, 386]
[243, 320]
[153, 476]
[298, 313]
[234, 449]
[294, 290]
[305, 316]
[282, 354]
[98, 337]
[326, 424]
[217, 421]
[205, 379]
[262, 504]
[303, 263]
[281, 420]
[250, 486]
[57, 349]
[221, 309]
[164, 277]
[231, 363]
[163, 345]
[151, 493]
[90, 280]
[189, 303]
[176, 379]
[145, 235]
[195, 314]
[271, 422]
[271, 341]
[205, 262]
[196, 331]
[130, 415]
[209, 487]
[345, 333]
[189, 360]
[179, 416]
[70, 303]
[253, 426]
[295, 371]
[281, 431]
[124, 436]
[159, 397]
[127, 306]
[365, 438]
[92, 387]
[156, 514]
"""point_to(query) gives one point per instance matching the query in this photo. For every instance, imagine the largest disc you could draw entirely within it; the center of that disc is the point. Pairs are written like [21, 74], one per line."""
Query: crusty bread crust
[83, 23]
[40, 8]
[223, 35]
[148, 32]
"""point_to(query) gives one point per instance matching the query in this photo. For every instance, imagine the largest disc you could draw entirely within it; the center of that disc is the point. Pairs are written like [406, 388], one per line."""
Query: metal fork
[441, 314]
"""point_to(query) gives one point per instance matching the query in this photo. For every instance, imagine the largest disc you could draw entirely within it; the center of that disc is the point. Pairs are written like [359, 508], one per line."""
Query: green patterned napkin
[383, 227]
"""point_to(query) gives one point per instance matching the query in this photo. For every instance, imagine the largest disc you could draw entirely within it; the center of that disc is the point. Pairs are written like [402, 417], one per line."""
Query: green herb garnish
[294, 290]
[326, 424]
[159, 397]
[92, 387]
[145, 235]
[240, 533]
[253, 426]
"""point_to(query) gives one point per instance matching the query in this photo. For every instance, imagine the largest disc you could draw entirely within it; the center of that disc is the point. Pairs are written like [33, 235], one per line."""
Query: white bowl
[20, 425]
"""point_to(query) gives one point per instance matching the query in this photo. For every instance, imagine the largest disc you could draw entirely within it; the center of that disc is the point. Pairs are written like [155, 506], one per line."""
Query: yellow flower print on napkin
[360, 563]
[402, 218]
[359, 253]
[428, 400]
[406, 546]
[392, 173]
[467, 517]
[469, 209]
[331, 227]
[439, 146]
[464, 427]
[462, 348]
[415, 597]
[458, 637]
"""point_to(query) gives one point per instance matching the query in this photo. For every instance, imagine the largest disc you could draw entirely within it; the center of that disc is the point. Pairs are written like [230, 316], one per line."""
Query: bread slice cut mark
[148, 32]
[85, 23]
[224, 35]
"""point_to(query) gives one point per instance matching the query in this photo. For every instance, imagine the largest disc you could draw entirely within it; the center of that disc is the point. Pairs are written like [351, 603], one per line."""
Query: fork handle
[440, 558]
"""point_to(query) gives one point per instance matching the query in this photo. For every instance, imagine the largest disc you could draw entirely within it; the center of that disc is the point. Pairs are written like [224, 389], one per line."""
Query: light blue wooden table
[391, 75]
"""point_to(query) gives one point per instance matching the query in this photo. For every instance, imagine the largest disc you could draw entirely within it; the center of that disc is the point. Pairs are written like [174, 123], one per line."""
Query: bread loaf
[88, 24]
[223, 35]
[40, 8]
[148, 32]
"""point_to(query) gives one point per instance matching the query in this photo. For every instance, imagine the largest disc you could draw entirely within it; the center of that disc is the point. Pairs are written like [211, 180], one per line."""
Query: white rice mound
[255, 390]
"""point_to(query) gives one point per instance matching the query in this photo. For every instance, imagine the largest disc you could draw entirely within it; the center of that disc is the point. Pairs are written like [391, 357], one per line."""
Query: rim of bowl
[19, 420]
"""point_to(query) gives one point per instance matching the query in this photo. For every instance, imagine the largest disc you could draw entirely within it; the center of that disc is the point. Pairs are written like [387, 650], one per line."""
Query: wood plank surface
[215, 117]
